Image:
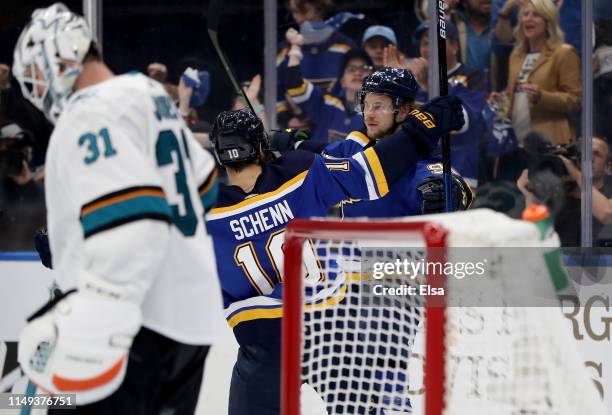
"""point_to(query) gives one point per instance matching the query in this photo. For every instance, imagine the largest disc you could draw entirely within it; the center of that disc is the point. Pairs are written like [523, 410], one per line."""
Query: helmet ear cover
[233, 148]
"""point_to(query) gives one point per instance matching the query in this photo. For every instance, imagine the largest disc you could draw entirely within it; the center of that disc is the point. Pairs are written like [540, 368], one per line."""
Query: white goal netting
[359, 352]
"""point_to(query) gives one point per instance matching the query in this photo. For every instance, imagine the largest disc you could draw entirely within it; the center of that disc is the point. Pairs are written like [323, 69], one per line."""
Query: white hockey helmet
[49, 55]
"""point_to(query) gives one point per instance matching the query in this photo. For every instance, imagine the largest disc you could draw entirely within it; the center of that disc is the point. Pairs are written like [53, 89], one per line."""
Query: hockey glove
[79, 345]
[286, 140]
[41, 242]
[437, 117]
[432, 191]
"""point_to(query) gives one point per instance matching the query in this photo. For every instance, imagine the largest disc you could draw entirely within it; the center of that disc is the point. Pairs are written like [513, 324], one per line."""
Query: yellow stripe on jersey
[254, 314]
[281, 107]
[379, 174]
[262, 196]
[360, 137]
[299, 90]
[277, 312]
[339, 47]
[333, 101]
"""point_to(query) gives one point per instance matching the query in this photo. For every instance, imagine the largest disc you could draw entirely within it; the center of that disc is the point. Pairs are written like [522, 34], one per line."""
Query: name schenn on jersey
[261, 220]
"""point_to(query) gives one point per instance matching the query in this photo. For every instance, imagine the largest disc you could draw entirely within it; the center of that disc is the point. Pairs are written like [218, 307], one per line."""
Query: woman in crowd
[544, 86]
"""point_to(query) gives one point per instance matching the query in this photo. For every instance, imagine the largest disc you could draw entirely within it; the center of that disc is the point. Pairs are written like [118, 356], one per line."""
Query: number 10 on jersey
[247, 258]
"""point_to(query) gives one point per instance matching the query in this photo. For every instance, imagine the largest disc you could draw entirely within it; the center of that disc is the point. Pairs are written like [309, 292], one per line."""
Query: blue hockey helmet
[399, 84]
[237, 137]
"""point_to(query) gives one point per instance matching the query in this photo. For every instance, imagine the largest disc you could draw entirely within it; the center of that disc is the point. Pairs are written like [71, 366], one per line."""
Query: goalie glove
[432, 190]
[79, 344]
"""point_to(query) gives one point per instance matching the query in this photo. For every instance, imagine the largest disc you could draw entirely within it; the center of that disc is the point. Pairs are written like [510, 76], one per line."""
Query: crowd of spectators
[515, 63]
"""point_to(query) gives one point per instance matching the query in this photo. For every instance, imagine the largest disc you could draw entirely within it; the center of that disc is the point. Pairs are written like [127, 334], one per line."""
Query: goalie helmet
[238, 136]
[399, 84]
[49, 55]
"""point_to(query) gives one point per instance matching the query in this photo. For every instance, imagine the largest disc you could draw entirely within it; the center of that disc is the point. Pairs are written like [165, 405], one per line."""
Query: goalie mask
[48, 57]
[238, 136]
[399, 84]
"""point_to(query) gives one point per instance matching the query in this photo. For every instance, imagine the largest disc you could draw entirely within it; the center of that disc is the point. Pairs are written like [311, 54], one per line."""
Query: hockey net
[348, 353]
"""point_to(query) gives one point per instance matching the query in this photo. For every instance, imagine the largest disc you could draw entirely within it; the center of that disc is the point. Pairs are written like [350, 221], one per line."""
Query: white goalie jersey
[126, 187]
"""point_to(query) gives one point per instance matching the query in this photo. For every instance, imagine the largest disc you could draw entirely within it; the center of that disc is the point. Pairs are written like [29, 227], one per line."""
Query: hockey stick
[214, 12]
[446, 147]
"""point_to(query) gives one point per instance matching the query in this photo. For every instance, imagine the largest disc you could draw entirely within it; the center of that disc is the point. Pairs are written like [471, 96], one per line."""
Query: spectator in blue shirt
[473, 20]
[458, 73]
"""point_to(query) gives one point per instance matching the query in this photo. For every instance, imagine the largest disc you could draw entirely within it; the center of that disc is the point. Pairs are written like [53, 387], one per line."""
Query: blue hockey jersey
[404, 199]
[320, 65]
[248, 228]
[321, 62]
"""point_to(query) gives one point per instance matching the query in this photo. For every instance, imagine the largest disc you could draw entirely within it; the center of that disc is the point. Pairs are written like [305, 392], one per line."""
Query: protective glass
[376, 107]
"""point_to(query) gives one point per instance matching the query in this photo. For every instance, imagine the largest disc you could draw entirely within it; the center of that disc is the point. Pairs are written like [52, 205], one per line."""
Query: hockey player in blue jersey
[387, 100]
[262, 196]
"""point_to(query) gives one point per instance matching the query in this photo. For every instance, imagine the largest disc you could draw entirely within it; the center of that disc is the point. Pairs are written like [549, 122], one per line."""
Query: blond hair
[554, 35]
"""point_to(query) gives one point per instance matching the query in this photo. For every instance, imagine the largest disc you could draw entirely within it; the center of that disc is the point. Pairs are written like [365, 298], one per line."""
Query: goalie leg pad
[80, 346]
